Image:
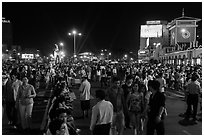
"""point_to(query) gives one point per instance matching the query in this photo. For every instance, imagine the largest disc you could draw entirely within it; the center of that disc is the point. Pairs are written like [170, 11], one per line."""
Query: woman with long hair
[135, 107]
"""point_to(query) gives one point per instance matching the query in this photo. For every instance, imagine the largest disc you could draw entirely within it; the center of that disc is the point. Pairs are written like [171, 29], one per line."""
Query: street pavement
[174, 124]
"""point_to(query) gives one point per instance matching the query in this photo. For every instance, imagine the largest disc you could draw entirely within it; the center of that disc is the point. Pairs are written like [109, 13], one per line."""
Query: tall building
[152, 35]
[7, 34]
[184, 47]
[177, 42]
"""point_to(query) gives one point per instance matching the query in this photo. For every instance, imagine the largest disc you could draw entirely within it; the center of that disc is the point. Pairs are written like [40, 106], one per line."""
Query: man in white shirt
[85, 95]
[102, 115]
[162, 82]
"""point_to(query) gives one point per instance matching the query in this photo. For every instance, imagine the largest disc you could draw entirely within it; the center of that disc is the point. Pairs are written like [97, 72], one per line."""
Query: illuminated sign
[153, 22]
[27, 56]
[143, 52]
[151, 31]
[6, 21]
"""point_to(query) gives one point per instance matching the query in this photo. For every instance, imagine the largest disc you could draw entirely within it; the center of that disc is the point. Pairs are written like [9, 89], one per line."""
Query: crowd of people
[130, 96]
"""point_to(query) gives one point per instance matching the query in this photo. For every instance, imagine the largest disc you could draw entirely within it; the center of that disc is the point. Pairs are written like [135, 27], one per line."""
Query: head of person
[25, 80]
[142, 88]
[160, 75]
[84, 77]
[13, 77]
[58, 127]
[129, 80]
[135, 86]
[194, 77]
[153, 86]
[116, 81]
[100, 94]
[61, 114]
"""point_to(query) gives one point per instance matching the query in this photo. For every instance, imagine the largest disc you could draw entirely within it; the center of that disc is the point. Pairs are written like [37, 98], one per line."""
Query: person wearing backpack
[135, 106]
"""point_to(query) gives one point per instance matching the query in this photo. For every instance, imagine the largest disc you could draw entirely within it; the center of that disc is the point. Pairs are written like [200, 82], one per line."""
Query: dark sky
[111, 25]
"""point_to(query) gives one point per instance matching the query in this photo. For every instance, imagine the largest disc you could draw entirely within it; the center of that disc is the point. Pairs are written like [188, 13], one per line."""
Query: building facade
[7, 34]
[179, 43]
[152, 35]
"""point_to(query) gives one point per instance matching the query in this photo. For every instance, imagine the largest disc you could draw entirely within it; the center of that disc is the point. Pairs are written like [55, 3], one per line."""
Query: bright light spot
[10, 57]
[69, 34]
[18, 54]
[51, 55]
[74, 31]
[79, 34]
[7, 50]
[62, 53]
[154, 44]
[102, 54]
[75, 56]
[61, 44]
[131, 58]
[183, 30]
[109, 54]
[125, 55]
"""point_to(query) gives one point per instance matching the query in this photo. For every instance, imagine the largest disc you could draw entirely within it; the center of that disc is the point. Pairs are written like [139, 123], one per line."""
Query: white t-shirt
[85, 90]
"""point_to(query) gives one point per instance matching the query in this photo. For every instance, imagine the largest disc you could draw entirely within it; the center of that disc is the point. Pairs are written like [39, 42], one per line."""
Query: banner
[173, 36]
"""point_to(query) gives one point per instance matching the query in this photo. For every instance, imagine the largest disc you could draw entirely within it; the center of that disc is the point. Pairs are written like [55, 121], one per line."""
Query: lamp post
[74, 33]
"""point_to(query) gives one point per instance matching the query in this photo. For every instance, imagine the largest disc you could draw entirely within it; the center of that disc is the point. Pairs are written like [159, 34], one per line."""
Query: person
[25, 101]
[135, 107]
[193, 90]
[142, 89]
[58, 127]
[116, 96]
[156, 109]
[15, 86]
[102, 115]
[162, 82]
[85, 95]
[103, 77]
[4, 82]
[127, 88]
[12, 87]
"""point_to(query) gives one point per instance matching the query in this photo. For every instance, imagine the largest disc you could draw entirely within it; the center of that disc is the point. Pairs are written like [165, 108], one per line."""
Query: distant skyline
[110, 25]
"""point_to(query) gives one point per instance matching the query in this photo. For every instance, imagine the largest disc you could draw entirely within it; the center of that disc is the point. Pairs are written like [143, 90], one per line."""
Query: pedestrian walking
[25, 101]
[102, 115]
[135, 107]
[193, 90]
[116, 96]
[12, 87]
[127, 89]
[85, 95]
[156, 109]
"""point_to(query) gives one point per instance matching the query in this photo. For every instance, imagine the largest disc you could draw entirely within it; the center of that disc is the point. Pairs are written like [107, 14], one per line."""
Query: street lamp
[74, 33]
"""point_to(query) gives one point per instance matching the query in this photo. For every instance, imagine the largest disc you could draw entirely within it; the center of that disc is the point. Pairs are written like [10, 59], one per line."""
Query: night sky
[111, 25]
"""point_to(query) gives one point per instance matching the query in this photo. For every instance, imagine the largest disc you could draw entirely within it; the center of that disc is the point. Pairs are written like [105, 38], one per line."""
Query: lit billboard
[151, 31]
[27, 56]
